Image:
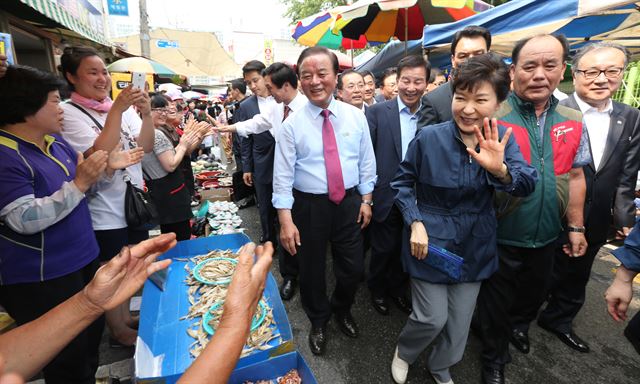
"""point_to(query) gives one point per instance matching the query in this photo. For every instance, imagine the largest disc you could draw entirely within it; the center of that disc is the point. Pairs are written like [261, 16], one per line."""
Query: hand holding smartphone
[138, 80]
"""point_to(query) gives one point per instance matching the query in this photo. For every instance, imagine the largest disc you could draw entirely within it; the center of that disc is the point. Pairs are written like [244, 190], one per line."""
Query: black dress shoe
[570, 339]
[317, 340]
[347, 325]
[380, 304]
[403, 304]
[520, 340]
[633, 339]
[492, 375]
[287, 289]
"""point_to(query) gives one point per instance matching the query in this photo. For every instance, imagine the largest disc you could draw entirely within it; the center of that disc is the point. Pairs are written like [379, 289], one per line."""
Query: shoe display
[520, 340]
[399, 368]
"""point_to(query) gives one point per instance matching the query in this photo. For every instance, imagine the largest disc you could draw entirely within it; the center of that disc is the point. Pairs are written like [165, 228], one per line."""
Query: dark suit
[436, 106]
[257, 158]
[385, 269]
[610, 187]
[379, 98]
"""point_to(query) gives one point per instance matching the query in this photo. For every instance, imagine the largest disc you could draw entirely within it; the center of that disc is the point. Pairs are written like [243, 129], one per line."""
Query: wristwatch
[368, 202]
[572, 228]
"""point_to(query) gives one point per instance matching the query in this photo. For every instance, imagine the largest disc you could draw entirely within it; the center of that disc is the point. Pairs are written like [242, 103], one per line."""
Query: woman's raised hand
[491, 155]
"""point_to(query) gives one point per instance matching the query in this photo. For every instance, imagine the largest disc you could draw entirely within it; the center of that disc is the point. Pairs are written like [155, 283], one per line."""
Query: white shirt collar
[584, 107]
[402, 106]
[298, 102]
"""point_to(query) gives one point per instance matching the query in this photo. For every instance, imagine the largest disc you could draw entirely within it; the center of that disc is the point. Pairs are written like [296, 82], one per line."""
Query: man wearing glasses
[610, 176]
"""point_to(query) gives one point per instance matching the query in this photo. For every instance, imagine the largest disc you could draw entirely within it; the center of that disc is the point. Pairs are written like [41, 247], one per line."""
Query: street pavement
[367, 359]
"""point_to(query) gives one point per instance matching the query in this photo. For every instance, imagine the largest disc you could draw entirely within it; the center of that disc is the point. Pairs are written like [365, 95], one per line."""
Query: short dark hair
[24, 92]
[387, 72]
[346, 73]
[317, 50]
[281, 73]
[414, 61]
[515, 54]
[158, 101]
[471, 31]
[72, 58]
[253, 66]
[435, 72]
[488, 67]
[366, 73]
[239, 85]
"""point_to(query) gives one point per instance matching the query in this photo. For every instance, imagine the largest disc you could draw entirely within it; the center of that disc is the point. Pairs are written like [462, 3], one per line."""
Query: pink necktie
[286, 112]
[335, 182]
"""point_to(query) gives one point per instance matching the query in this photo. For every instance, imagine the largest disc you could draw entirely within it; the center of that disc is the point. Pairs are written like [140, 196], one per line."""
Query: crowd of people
[490, 166]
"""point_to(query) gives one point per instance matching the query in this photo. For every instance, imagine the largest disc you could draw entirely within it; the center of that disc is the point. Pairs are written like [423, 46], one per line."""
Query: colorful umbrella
[380, 20]
[316, 30]
[140, 64]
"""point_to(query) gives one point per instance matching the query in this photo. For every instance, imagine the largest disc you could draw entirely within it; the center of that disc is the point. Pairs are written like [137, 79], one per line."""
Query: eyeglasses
[609, 73]
[162, 111]
[352, 86]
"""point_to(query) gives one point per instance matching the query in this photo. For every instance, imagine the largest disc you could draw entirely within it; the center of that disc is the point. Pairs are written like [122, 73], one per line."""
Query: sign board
[120, 81]
[118, 7]
[167, 44]
[268, 52]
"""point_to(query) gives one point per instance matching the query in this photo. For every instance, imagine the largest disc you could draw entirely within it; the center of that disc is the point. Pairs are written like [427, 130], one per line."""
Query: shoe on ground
[399, 368]
[380, 304]
[287, 289]
[569, 338]
[403, 304]
[492, 375]
[520, 340]
[347, 324]
[318, 340]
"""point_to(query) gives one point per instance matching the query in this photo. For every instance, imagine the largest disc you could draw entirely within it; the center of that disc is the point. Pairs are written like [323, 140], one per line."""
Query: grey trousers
[442, 316]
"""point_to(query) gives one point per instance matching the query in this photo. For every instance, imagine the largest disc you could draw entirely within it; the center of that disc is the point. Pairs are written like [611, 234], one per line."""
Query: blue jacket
[629, 255]
[454, 200]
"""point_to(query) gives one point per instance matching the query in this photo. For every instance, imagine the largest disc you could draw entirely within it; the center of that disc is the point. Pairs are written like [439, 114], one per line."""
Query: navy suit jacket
[611, 187]
[384, 125]
[257, 150]
[436, 106]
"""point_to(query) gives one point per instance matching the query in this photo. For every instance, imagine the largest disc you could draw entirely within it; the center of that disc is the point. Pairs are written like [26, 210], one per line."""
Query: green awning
[57, 13]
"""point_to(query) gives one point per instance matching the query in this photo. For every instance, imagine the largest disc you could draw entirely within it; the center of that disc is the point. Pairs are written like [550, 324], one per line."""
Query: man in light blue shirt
[324, 173]
[393, 125]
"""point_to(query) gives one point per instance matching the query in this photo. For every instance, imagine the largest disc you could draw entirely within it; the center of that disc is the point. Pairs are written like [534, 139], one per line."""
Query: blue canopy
[579, 20]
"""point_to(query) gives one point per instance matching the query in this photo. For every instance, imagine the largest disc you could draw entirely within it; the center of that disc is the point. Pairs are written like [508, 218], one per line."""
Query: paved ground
[367, 359]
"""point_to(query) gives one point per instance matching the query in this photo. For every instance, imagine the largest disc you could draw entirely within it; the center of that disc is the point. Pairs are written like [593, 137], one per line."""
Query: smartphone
[138, 79]
[5, 47]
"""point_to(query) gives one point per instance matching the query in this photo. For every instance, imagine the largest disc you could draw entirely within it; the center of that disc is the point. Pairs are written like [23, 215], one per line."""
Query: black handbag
[139, 209]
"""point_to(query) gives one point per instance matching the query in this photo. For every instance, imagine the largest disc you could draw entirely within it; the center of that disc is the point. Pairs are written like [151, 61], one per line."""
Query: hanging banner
[268, 52]
[120, 81]
[118, 7]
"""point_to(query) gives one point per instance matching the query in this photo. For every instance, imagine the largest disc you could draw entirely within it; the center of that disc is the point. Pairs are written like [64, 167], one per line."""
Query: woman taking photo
[164, 179]
[48, 251]
[445, 191]
[92, 121]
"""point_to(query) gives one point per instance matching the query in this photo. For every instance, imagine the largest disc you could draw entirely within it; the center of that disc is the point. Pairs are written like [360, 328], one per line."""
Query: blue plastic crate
[274, 368]
[162, 350]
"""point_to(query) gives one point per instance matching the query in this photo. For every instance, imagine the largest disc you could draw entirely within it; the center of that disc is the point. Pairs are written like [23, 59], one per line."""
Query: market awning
[60, 15]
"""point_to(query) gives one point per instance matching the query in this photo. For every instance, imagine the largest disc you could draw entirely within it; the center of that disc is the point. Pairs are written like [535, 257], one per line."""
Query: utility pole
[144, 30]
